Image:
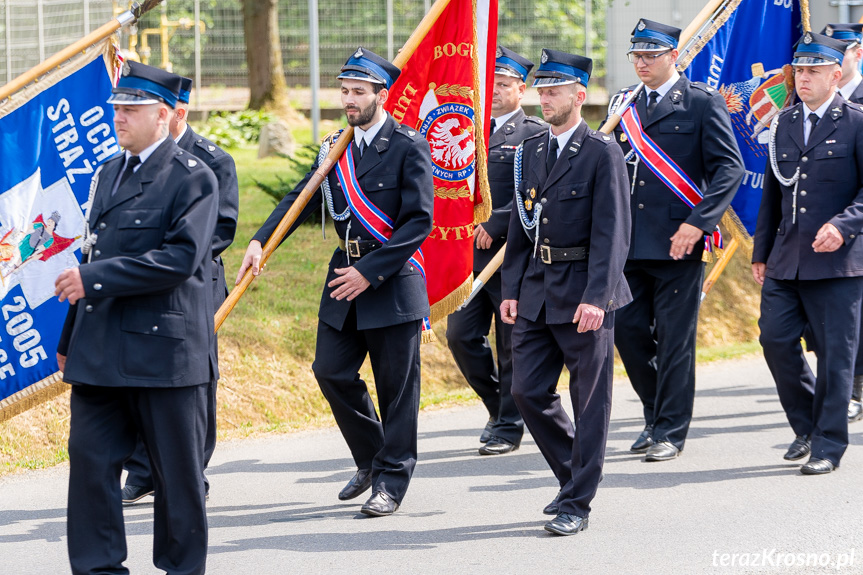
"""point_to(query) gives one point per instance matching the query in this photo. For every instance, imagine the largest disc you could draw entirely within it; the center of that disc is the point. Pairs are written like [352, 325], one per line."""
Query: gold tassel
[451, 302]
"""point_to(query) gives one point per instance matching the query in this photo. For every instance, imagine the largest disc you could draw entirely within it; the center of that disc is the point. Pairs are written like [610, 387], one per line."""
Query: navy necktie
[551, 159]
[127, 173]
[652, 100]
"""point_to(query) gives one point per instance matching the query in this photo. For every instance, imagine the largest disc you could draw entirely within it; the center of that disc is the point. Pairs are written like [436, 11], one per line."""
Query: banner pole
[130, 16]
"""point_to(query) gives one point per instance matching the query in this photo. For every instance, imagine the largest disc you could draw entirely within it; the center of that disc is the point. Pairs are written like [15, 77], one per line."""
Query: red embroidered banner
[444, 92]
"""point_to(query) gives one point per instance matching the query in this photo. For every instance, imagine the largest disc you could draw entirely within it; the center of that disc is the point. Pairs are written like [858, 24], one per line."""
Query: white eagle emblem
[452, 145]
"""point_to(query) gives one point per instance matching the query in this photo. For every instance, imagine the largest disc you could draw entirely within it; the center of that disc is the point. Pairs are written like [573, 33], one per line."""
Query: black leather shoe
[357, 485]
[798, 449]
[553, 508]
[134, 493]
[486, 433]
[817, 467]
[566, 524]
[644, 440]
[497, 446]
[855, 411]
[379, 505]
[662, 451]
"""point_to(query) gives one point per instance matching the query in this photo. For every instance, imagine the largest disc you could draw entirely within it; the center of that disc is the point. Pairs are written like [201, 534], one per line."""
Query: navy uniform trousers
[656, 340]
[574, 453]
[386, 445]
[787, 307]
[114, 418]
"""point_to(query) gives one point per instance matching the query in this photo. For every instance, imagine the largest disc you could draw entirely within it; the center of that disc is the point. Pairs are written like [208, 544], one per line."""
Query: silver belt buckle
[545, 254]
[354, 248]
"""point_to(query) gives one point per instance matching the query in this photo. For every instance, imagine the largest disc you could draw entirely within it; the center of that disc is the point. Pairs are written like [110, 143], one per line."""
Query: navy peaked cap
[142, 84]
[557, 68]
[366, 65]
[509, 63]
[650, 36]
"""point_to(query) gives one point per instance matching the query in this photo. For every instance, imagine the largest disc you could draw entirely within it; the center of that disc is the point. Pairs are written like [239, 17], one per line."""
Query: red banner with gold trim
[444, 92]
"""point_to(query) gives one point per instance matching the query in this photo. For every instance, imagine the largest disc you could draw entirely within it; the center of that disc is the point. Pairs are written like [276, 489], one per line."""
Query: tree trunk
[264, 56]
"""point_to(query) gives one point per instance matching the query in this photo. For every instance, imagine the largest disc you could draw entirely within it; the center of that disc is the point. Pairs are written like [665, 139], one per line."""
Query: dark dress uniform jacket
[147, 316]
[583, 198]
[831, 168]
[395, 174]
[857, 95]
[223, 167]
[501, 155]
[691, 124]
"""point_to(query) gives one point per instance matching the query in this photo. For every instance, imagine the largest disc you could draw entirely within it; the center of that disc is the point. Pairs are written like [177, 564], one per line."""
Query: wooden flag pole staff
[33, 74]
[707, 14]
[317, 178]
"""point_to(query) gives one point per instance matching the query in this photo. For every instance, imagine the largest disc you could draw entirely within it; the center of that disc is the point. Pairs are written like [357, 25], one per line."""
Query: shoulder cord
[90, 238]
[526, 223]
[788, 182]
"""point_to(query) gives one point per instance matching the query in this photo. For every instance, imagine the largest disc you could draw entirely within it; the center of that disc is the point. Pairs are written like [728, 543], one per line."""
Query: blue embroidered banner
[748, 61]
[50, 146]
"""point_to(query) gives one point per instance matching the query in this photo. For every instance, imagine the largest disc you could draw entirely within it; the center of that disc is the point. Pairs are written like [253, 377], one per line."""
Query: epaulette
[604, 138]
[332, 137]
[704, 87]
[188, 160]
[209, 147]
[855, 107]
[409, 132]
[532, 136]
[534, 120]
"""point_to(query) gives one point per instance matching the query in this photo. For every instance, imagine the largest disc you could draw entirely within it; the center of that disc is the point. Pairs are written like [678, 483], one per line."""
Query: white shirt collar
[848, 89]
[146, 153]
[369, 135]
[183, 133]
[663, 90]
[563, 138]
[822, 109]
[499, 121]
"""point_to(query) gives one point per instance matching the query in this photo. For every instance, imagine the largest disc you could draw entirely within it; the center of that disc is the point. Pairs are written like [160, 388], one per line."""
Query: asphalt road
[729, 504]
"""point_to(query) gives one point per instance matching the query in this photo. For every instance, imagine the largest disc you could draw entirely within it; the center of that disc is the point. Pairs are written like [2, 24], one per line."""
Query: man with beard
[374, 298]
[562, 281]
[655, 335]
[807, 255]
[467, 329]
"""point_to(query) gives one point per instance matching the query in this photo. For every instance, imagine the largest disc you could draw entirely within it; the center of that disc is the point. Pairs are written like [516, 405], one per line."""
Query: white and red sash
[664, 167]
[372, 218]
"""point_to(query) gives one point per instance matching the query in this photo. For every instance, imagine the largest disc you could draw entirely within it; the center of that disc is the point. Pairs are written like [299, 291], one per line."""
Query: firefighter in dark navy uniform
[655, 335]
[562, 282]
[139, 482]
[851, 88]
[136, 343]
[807, 255]
[374, 299]
[467, 329]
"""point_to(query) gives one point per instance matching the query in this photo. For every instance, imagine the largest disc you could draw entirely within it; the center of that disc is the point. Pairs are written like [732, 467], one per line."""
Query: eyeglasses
[648, 59]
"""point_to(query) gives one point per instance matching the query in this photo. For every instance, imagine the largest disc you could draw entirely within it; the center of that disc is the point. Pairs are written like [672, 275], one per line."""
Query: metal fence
[30, 30]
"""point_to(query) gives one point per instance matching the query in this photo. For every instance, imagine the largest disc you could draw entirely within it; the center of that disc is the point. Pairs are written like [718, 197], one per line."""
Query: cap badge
[498, 53]
[127, 69]
[807, 38]
[358, 53]
[641, 25]
[829, 31]
[544, 58]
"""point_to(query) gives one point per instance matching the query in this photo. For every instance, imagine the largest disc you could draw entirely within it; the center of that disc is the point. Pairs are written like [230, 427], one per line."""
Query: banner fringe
[32, 395]
[720, 20]
[451, 302]
[30, 91]
[481, 211]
